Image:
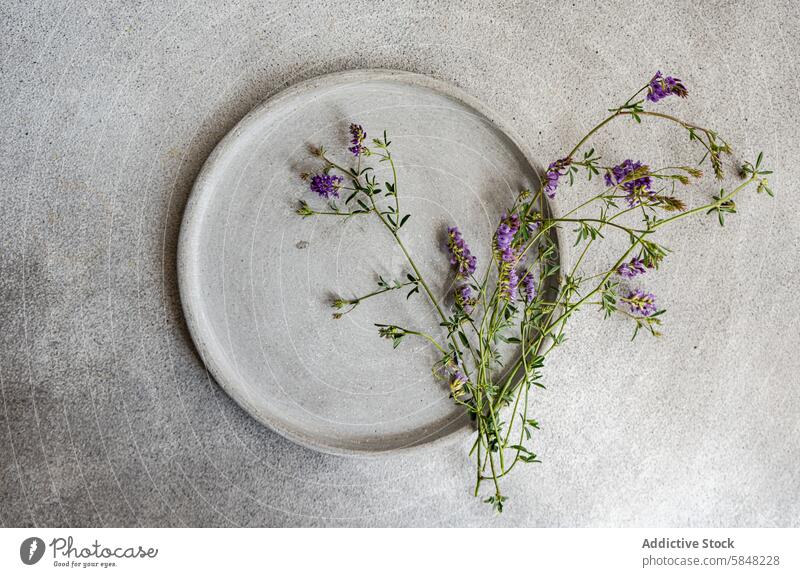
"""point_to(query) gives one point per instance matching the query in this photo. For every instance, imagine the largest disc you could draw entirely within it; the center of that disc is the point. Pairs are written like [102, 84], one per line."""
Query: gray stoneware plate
[256, 280]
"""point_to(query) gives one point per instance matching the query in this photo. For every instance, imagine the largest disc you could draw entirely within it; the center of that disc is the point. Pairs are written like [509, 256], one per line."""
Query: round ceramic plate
[256, 280]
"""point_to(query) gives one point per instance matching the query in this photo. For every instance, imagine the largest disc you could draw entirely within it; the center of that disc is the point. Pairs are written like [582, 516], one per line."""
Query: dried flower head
[670, 203]
[303, 209]
[694, 172]
[661, 87]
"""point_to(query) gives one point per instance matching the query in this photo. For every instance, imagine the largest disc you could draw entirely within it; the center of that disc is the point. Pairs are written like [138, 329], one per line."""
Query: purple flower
[636, 188]
[326, 185]
[632, 269]
[508, 281]
[357, 136]
[504, 238]
[640, 302]
[507, 256]
[529, 286]
[553, 174]
[464, 298]
[661, 87]
[460, 254]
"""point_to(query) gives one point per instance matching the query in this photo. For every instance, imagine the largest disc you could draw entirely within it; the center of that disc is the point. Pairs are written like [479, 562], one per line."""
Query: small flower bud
[303, 209]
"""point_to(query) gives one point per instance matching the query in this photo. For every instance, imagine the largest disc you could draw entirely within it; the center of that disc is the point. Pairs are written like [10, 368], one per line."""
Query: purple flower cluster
[640, 302]
[464, 297]
[661, 87]
[507, 256]
[460, 254]
[357, 136]
[529, 286]
[509, 225]
[326, 185]
[553, 174]
[636, 188]
[631, 269]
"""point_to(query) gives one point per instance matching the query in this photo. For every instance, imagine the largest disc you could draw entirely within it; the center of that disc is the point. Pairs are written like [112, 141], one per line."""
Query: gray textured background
[108, 417]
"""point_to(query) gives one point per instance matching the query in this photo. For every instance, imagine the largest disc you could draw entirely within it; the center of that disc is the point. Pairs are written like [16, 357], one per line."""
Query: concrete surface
[108, 418]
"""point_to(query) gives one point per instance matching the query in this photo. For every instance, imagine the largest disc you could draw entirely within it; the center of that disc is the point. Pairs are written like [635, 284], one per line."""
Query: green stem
[357, 300]
[336, 166]
[394, 185]
[602, 221]
[416, 270]
[429, 337]
[409, 259]
[335, 213]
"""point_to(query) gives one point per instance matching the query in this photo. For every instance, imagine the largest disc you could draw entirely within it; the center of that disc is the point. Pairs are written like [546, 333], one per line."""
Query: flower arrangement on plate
[505, 316]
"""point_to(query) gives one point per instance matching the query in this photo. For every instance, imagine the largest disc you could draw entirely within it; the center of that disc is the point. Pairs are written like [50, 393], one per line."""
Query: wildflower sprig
[344, 306]
[498, 326]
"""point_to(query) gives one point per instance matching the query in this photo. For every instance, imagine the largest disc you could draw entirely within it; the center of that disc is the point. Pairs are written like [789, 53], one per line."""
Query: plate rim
[188, 290]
